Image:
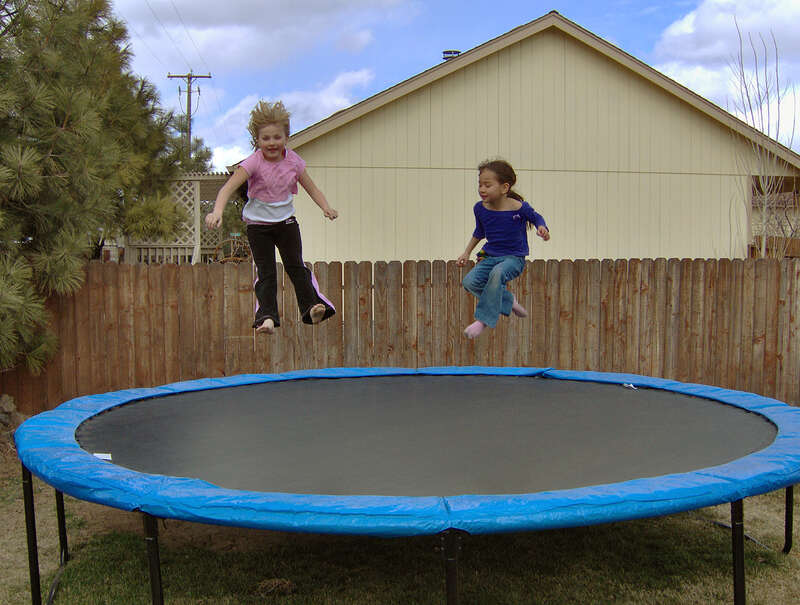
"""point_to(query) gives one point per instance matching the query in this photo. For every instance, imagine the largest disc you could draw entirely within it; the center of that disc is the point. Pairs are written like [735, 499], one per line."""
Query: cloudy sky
[320, 56]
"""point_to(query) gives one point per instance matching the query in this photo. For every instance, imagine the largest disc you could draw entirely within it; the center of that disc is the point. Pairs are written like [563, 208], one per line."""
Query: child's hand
[462, 260]
[543, 232]
[330, 213]
[213, 220]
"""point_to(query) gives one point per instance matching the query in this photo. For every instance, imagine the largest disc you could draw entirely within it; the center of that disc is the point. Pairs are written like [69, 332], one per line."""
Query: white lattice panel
[208, 239]
[182, 247]
[184, 196]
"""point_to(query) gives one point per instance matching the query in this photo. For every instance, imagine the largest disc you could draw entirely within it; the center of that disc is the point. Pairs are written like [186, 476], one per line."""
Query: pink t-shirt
[272, 181]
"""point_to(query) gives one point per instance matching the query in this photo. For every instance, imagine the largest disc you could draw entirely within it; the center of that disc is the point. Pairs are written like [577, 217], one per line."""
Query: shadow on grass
[677, 559]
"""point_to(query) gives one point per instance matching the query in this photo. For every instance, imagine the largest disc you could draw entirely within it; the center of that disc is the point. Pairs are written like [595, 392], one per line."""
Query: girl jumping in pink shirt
[272, 173]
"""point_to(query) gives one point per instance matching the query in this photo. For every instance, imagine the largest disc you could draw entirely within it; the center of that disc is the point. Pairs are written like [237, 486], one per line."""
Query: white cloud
[700, 49]
[227, 156]
[227, 134]
[713, 84]
[764, 116]
[650, 10]
[209, 14]
[306, 107]
[708, 34]
[240, 44]
[244, 34]
[355, 42]
[237, 117]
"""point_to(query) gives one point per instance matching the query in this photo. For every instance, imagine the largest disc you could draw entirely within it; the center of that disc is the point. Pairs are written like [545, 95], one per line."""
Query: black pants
[286, 237]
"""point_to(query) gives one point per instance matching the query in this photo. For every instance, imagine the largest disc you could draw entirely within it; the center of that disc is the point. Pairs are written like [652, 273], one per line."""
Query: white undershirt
[256, 211]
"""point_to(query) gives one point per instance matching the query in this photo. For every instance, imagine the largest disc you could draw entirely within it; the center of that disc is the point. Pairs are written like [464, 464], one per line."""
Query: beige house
[622, 161]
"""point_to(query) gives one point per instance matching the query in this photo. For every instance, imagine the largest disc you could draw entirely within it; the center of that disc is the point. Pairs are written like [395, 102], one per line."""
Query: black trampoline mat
[423, 435]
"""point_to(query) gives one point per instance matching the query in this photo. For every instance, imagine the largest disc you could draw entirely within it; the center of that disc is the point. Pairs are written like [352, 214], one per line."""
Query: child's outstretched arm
[538, 221]
[317, 196]
[543, 232]
[236, 180]
[464, 257]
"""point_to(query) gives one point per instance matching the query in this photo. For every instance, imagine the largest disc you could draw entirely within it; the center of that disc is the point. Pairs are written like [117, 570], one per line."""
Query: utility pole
[188, 77]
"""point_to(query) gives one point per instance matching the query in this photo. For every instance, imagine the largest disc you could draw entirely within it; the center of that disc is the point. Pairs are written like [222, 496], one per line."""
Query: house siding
[619, 167]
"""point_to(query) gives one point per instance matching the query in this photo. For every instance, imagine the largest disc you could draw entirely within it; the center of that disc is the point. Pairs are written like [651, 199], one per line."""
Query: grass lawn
[683, 558]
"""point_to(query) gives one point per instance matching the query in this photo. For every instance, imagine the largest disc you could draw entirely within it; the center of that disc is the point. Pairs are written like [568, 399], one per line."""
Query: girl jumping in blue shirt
[502, 217]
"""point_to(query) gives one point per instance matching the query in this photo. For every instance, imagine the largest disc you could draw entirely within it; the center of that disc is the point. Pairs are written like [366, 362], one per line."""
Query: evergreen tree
[83, 143]
[201, 155]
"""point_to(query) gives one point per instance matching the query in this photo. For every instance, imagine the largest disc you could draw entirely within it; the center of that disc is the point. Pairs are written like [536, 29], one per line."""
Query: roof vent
[450, 54]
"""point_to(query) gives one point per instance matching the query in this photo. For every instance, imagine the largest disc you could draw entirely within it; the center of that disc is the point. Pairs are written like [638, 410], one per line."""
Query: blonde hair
[265, 113]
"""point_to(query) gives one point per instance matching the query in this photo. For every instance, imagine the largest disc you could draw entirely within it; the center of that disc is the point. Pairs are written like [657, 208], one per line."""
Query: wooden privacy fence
[731, 323]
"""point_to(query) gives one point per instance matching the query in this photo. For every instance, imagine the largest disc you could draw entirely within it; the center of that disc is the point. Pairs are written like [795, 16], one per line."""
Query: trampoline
[401, 452]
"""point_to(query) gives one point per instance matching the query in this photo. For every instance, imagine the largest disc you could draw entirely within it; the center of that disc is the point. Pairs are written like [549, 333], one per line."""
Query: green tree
[201, 155]
[83, 143]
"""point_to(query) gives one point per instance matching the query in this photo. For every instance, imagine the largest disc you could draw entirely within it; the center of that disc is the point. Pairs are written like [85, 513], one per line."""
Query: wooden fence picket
[365, 311]
[394, 314]
[350, 314]
[409, 314]
[438, 324]
[620, 316]
[454, 323]
[772, 311]
[792, 314]
[380, 345]
[334, 327]
[632, 316]
[723, 326]
[748, 336]
[606, 320]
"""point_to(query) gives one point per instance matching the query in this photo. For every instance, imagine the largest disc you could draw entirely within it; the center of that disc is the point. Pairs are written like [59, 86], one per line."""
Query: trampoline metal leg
[737, 539]
[62, 529]
[788, 523]
[30, 528]
[151, 539]
[451, 547]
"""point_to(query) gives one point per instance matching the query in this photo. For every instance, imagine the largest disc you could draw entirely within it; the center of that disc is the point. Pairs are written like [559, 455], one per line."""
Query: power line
[199, 54]
[189, 35]
[146, 45]
[188, 77]
[171, 39]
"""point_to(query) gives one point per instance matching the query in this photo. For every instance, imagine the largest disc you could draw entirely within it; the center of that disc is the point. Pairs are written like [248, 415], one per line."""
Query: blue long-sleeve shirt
[505, 230]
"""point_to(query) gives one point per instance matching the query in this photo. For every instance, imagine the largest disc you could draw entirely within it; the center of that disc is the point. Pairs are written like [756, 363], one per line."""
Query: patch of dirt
[276, 586]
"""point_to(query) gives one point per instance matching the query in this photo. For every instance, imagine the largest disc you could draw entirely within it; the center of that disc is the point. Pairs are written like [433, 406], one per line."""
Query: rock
[10, 418]
[7, 404]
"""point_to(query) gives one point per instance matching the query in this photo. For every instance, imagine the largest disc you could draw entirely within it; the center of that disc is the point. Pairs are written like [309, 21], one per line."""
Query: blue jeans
[487, 280]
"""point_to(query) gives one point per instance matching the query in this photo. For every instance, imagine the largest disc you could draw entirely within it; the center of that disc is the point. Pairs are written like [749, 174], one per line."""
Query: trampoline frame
[786, 418]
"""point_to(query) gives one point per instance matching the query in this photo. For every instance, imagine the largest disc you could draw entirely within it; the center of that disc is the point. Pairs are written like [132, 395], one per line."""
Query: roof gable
[548, 21]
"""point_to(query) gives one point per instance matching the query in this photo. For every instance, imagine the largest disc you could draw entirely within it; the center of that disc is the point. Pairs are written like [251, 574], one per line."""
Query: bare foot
[474, 329]
[317, 313]
[268, 326]
[518, 309]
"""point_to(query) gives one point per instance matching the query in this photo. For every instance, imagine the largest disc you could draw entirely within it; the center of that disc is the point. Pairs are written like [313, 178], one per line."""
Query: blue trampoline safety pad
[47, 445]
